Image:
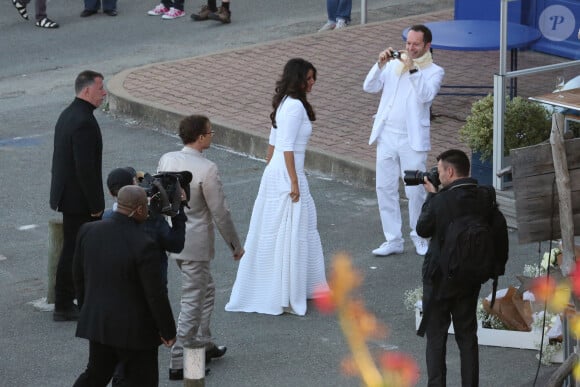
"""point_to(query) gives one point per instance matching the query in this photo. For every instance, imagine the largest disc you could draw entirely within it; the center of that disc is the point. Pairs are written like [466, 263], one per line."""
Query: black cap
[120, 177]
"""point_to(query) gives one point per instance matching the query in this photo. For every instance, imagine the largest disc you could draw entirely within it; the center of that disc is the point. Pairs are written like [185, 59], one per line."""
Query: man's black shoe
[215, 352]
[110, 12]
[177, 374]
[87, 12]
[66, 315]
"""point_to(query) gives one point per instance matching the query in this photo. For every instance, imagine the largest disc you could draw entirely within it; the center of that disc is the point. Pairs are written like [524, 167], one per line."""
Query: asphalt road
[37, 69]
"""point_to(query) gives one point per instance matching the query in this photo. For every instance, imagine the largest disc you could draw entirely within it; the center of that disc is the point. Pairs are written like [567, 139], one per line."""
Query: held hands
[385, 56]
[294, 192]
[409, 64]
[239, 254]
[429, 187]
[168, 343]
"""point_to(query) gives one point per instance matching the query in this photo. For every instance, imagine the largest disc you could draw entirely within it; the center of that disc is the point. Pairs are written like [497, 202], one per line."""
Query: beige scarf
[420, 63]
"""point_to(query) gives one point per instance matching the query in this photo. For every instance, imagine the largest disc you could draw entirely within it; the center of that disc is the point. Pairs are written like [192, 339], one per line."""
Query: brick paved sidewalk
[234, 88]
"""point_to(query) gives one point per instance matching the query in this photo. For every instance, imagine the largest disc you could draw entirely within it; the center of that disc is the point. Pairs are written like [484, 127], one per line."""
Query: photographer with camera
[408, 81]
[125, 312]
[167, 238]
[447, 295]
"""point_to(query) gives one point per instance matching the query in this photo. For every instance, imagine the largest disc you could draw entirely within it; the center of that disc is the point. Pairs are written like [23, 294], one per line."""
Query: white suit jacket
[425, 85]
[208, 205]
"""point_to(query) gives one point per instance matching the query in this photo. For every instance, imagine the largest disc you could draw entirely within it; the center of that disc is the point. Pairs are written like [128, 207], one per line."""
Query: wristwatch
[413, 71]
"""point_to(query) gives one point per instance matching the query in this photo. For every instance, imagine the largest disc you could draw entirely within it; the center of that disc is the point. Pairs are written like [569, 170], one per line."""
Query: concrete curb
[337, 167]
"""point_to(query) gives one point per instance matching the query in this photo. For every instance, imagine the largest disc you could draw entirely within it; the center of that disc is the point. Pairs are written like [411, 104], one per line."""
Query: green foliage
[525, 123]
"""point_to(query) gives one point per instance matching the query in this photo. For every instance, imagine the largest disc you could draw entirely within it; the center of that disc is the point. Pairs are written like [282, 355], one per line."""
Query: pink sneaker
[173, 13]
[158, 11]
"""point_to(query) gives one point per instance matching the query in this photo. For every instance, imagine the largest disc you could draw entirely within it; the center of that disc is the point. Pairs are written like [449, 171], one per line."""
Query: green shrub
[526, 123]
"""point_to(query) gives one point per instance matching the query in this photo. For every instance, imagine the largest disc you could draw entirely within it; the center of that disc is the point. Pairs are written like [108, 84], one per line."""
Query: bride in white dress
[283, 264]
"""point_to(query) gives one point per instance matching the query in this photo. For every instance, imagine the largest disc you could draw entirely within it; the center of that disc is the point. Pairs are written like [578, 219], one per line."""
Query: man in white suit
[207, 206]
[409, 81]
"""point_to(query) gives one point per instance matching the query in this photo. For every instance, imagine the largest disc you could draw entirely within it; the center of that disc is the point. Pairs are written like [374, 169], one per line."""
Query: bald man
[125, 313]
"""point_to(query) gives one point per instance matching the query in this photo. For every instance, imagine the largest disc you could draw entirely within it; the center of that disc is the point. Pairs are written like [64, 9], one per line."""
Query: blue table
[480, 35]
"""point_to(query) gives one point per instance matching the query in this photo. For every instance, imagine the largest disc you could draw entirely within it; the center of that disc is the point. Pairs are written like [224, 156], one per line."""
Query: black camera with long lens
[418, 177]
[164, 191]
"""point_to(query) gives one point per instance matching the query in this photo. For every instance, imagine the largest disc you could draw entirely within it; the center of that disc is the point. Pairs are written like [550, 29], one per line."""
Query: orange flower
[560, 297]
[543, 288]
[574, 325]
[403, 366]
[349, 367]
[323, 300]
[575, 278]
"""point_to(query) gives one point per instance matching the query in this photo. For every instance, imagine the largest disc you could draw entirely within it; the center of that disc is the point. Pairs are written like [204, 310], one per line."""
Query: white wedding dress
[283, 263]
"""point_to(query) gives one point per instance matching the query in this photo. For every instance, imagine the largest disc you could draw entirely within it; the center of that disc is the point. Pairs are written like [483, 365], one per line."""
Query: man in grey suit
[207, 206]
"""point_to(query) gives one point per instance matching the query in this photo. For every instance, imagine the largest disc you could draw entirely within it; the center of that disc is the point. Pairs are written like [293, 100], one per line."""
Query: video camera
[164, 191]
[418, 177]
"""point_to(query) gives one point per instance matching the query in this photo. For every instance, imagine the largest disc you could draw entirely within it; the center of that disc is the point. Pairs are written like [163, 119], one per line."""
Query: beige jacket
[208, 205]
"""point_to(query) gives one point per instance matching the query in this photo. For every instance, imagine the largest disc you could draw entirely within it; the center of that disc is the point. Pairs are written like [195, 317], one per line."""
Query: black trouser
[141, 369]
[64, 292]
[462, 309]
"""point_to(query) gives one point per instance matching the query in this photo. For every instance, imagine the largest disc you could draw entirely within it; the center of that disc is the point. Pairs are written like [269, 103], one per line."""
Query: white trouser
[393, 157]
[197, 301]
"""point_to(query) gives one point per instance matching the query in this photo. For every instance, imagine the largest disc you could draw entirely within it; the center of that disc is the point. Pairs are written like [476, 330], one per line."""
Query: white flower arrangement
[413, 298]
[552, 335]
[488, 320]
[549, 352]
[549, 258]
[552, 345]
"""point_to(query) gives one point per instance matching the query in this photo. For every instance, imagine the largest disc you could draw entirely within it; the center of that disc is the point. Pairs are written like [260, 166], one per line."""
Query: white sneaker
[328, 26]
[421, 244]
[158, 10]
[388, 248]
[173, 13]
[340, 23]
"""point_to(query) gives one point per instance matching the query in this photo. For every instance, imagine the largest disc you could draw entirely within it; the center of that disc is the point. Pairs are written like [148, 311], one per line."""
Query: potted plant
[525, 123]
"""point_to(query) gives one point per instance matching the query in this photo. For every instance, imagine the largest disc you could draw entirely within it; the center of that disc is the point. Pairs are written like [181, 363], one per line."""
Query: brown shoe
[203, 14]
[222, 15]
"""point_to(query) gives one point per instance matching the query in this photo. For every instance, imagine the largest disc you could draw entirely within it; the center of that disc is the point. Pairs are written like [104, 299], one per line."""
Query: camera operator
[125, 312]
[445, 300]
[408, 82]
[167, 238]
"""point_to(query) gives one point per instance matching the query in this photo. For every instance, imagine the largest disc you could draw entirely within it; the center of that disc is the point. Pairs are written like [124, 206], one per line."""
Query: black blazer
[77, 183]
[116, 275]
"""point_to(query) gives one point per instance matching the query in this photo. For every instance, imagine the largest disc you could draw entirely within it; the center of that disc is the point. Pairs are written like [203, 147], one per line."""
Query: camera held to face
[395, 54]
[164, 191]
[418, 177]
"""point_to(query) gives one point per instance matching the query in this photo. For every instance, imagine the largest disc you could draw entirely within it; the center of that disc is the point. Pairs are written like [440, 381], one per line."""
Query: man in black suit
[447, 300]
[76, 188]
[125, 312]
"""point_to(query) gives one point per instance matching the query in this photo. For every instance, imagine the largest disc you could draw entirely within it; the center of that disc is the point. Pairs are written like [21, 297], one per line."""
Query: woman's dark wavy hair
[293, 84]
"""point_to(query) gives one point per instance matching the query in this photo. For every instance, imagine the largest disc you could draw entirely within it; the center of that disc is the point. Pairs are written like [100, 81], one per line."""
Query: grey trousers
[197, 301]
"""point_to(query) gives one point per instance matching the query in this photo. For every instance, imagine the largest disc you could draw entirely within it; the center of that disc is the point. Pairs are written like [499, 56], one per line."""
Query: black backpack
[475, 246]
